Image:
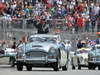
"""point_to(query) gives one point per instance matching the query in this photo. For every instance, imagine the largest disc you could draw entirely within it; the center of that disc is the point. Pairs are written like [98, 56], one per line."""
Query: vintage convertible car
[80, 58]
[8, 53]
[42, 50]
[94, 57]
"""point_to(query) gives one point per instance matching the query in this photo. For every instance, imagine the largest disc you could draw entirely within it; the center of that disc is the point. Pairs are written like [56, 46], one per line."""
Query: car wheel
[79, 67]
[56, 65]
[64, 68]
[19, 66]
[98, 67]
[94, 66]
[29, 67]
[90, 66]
[73, 67]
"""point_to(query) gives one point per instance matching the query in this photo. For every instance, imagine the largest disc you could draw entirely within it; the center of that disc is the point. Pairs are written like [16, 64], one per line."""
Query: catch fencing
[20, 27]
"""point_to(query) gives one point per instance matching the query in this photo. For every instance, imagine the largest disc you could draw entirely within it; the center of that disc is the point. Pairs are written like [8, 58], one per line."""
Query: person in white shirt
[67, 45]
[68, 49]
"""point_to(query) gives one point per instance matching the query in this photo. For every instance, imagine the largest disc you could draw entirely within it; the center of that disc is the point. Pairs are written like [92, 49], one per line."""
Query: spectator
[68, 48]
[93, 22]
[87, 24]
[98, 41]
[14, 43]
[79, 44]
[20, 42]
[68, 45]
[80, 23]
[98, 23]
[4, 45]
[55, 9]
[41, 26]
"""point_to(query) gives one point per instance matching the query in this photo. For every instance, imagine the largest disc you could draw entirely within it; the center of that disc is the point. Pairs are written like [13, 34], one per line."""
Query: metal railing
[9, 29]
[27, 23]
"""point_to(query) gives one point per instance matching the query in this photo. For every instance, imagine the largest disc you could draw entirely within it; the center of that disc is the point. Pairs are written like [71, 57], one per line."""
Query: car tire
[93, 68]
[73, 67]
[56, 65]
[79, 67]
[19, 66]
[29, 67]
[98, 67]
[90, 66]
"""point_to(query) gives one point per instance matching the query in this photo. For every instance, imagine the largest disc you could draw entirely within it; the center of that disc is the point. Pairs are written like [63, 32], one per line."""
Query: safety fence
[28, 23]
[11, 28]
[19, 27]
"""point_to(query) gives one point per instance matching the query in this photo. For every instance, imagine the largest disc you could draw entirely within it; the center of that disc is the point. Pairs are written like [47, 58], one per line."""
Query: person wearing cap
[42, 27]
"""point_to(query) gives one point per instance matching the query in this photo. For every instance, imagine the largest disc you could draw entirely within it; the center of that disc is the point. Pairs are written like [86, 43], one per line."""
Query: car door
[3, 58]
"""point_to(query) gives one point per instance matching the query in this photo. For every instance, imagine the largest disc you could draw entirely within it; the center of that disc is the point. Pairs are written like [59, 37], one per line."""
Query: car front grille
[35, 54]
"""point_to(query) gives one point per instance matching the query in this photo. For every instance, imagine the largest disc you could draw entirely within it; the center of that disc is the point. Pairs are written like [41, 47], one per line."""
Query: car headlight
[52, 53]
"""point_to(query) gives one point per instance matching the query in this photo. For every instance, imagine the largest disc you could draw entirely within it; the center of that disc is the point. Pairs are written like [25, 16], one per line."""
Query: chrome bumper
[94, 60]
[37, 60]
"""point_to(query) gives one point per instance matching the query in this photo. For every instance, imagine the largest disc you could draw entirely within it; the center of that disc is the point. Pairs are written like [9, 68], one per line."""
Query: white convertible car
[42, 50]
[80, 59]
[8, 54]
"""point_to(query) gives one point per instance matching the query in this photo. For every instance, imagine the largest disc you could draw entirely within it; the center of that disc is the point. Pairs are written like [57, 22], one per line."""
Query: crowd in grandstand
[77, 14]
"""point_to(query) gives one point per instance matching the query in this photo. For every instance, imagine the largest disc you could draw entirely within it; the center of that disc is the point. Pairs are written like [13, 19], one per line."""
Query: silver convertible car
[42, 50]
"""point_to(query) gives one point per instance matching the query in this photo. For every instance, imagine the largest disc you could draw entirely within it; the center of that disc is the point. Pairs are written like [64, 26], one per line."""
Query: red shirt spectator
[80, 21]
[46, 1]
[81, 7]
[69, 21]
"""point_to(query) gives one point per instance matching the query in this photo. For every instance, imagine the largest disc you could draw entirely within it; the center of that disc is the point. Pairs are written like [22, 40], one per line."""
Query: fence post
[24, 26]
[4, 29]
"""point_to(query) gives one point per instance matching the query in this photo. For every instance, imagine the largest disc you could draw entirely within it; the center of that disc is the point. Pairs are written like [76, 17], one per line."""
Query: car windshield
[43, 39]
[98, 47]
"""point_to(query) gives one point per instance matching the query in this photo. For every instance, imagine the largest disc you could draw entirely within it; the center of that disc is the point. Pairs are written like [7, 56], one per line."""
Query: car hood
[40, 46]
[84, 55]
